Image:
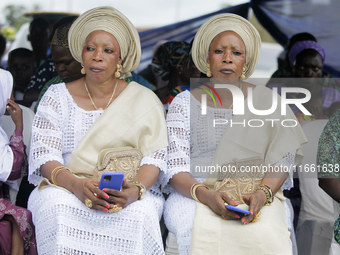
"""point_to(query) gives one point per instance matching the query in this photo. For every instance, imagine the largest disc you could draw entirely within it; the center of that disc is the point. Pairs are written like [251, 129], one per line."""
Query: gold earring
[208, 72]
[119, 69]
[82, 69]
[243, 77]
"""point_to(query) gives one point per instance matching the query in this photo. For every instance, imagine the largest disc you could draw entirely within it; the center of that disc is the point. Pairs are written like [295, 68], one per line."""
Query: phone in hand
[236, 209]
[111, 180]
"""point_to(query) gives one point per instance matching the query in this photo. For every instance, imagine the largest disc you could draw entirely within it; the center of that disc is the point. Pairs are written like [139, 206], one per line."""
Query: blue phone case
[236, 209]
[111, 180]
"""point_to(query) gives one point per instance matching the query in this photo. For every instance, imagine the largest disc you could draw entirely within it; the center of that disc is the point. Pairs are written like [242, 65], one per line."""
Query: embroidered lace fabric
[196, 143]
[64, 225]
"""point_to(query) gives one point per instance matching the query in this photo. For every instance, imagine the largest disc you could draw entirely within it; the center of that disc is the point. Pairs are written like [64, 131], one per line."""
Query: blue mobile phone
[111, 180]
[236, 209]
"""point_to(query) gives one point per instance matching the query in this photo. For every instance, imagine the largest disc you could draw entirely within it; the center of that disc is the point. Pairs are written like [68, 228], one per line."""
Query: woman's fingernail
[106, 196]
[98, 196]
[106, 210]
[237, 217]
[235, 203]
[104, 190]
[107, 205]
[251, 212]
[244, 221]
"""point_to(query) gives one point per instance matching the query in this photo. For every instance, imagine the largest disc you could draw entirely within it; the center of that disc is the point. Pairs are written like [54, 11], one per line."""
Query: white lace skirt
[179, 214]
[64, 225]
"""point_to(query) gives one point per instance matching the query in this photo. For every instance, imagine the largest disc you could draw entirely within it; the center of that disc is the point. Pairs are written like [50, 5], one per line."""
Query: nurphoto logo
[238, 104]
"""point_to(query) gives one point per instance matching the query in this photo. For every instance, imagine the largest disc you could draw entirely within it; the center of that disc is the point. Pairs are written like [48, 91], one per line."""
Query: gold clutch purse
[240, 177]
[124, 159]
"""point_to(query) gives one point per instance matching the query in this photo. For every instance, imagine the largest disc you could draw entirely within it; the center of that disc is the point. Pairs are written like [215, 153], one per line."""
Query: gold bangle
[256, 217]
[142, 189]
[55, 171]
[193, 190]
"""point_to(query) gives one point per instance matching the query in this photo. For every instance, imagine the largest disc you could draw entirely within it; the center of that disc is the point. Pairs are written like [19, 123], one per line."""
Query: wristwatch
[142, 189]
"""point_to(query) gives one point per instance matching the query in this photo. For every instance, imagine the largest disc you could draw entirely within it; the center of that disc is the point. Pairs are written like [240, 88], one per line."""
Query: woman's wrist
[67, 180]
[262, 195]
[135, 192]
[202, 194]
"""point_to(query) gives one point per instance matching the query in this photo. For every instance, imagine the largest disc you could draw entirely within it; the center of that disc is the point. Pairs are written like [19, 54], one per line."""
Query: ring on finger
[256, 217]
[88, 203]
[115, 209]
[224, 217]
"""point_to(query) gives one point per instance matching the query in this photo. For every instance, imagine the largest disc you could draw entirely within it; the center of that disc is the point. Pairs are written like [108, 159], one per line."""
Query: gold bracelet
[55, 171]
[142, 189]
[193, 190]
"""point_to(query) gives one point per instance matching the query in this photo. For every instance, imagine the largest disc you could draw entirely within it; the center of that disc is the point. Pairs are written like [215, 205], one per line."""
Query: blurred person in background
[46, 71]
[307, 59]
[67, 67]
[173, 63]
[149, 72]
[285, 68]
[39, 36]
[21, 66]
[3, 43]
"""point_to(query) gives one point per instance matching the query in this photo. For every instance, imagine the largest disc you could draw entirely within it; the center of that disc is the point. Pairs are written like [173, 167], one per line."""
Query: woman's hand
[128, 194]
[216, 202]
[255, 202]
[16, 114]
[84, 189]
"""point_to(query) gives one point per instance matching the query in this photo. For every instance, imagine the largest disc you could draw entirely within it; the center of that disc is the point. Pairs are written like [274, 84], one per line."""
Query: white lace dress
[64, 225]
[198, 143]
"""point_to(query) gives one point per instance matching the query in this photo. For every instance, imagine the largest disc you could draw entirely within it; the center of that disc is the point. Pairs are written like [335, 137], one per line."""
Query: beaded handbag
[240, 177]
[124, 159]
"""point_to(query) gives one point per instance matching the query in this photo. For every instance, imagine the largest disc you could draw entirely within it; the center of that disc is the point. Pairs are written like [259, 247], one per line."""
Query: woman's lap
[65, 224]
[182, 224]
[254, 238]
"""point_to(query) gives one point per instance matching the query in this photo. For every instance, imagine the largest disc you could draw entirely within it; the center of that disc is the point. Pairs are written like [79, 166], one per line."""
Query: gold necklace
[114, 90]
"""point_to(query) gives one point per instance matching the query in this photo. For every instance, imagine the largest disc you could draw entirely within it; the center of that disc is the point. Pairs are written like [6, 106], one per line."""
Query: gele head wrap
[110, 20]
[169, 55]
[304, 45]
[221, 23]
[60, 37]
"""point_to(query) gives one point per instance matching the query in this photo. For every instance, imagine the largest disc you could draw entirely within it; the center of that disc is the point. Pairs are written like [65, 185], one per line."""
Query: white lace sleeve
[158, 159]
[178, 126]
[46, 138]
[287, 163]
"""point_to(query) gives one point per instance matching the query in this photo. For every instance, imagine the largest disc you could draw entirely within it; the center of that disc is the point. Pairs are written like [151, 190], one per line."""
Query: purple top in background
[329, 96]
[18, 147]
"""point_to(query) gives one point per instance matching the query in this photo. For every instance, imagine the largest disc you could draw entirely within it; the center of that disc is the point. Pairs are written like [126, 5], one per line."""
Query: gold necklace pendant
[100, 108]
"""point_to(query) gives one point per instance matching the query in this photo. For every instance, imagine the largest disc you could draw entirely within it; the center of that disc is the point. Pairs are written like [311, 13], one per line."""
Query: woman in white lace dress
[77, 120]
[226, 48]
